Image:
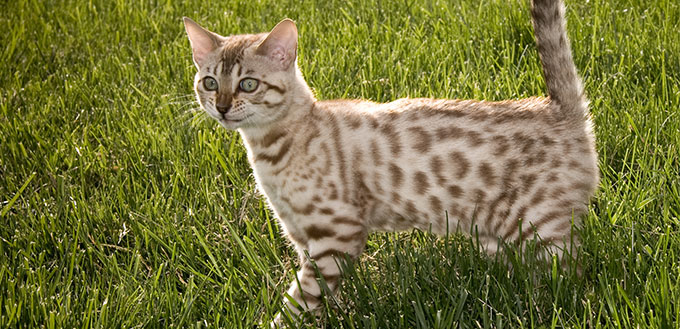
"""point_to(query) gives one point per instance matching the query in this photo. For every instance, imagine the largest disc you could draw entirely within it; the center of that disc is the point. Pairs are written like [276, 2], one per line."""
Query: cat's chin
[230, 124]
[233, 124]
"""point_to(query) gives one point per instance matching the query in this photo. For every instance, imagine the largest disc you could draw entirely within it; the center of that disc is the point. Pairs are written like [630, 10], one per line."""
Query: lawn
[122, 205]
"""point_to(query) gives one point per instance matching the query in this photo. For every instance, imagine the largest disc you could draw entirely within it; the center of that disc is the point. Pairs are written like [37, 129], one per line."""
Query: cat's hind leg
[559, 241]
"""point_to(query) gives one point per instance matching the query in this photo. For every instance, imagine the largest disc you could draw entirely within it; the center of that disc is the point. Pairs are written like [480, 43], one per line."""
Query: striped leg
[327, 253]
[555, 238]
[564, 246]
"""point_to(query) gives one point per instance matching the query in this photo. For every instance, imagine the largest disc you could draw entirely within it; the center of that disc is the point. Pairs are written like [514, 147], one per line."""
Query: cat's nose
[223, 103]
[223, 108]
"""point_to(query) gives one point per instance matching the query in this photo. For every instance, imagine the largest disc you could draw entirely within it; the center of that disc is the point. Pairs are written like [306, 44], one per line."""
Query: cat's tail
[559, 71]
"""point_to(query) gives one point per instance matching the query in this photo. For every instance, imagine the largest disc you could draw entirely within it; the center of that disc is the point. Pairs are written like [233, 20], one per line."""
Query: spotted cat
[335, 170]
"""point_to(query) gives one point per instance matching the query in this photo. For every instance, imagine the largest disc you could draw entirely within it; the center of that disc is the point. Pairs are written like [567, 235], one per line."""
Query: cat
[333, 171]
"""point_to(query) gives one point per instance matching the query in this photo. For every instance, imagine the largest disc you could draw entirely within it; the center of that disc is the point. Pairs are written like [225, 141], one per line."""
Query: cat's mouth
[229, 121]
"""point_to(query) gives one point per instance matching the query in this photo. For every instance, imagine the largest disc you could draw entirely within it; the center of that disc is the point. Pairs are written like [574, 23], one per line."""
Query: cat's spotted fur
[335, 170]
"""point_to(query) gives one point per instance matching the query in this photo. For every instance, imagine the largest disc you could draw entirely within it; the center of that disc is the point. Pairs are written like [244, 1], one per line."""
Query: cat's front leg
[328, 246]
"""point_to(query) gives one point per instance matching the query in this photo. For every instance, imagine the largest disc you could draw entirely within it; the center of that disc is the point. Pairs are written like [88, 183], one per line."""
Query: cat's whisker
[182, 95]
[250, 120]
[179, 99]
[189, 106]
[187, 111]
[197, 118]
[180, 102]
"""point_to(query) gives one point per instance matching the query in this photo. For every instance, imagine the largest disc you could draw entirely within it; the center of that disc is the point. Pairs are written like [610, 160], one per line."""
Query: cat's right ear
[203, 42]
[280, 45]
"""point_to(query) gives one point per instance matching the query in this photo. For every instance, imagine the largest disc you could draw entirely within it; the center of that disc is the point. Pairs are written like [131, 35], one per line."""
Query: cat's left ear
[280, 45]
[203, 42]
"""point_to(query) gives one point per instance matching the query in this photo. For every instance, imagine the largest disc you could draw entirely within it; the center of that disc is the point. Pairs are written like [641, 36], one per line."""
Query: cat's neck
[297, 113]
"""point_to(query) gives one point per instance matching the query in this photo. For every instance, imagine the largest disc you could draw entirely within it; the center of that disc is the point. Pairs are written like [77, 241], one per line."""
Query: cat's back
[524, 133]
[441, 120]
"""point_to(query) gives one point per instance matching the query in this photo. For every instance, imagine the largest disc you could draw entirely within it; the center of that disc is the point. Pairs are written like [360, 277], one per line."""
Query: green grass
[122, 207]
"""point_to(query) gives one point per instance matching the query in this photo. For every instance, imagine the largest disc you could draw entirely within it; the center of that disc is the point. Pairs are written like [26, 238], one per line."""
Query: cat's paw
[277, 322]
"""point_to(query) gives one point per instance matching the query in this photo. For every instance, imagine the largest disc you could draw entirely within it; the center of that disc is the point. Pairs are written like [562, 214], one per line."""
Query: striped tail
[559, 71]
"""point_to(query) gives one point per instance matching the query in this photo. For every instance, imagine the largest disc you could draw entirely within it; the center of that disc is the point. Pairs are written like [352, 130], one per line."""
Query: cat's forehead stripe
[233, 48]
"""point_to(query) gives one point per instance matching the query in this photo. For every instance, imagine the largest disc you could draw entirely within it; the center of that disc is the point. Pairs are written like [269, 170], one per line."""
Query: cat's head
[248, 80]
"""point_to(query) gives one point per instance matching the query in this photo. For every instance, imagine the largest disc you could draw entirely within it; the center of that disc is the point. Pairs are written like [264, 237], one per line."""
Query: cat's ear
[203, 42]
[280, 46]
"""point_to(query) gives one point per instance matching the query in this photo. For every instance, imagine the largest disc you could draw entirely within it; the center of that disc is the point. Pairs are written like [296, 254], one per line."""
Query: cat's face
[245, 80]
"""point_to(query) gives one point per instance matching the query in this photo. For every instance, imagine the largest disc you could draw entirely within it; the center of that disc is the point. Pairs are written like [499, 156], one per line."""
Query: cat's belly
[391, 217]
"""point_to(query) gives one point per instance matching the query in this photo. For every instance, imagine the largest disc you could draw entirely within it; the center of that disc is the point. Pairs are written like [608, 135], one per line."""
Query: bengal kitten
[333, 171]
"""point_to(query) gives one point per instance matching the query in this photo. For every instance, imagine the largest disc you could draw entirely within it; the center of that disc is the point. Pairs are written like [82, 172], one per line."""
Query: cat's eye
[210, 83]
[248, 84]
